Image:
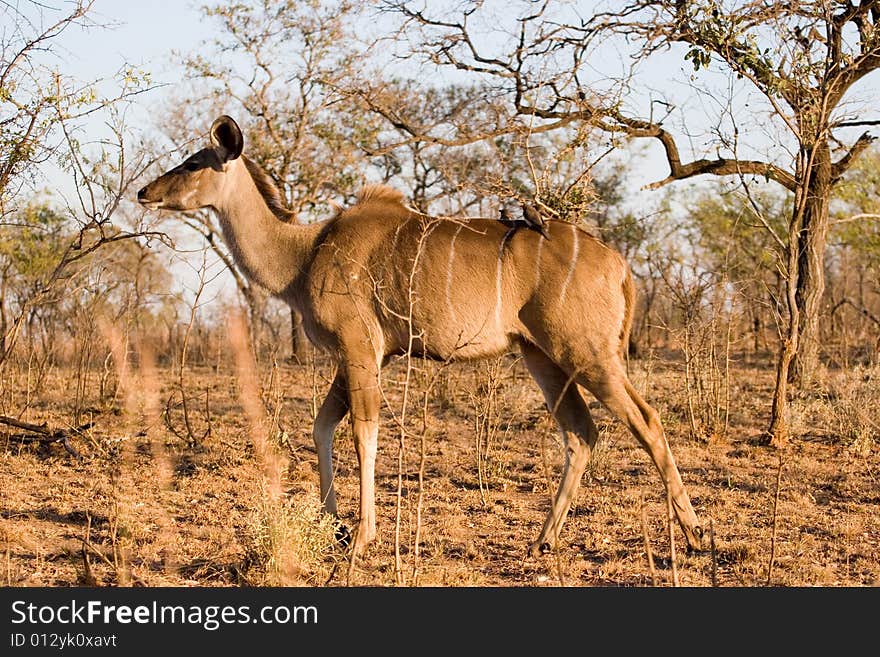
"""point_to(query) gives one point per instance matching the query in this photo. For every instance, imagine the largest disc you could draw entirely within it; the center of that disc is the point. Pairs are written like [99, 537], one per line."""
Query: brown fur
[268, 190]
[379, 279]
[378, 193]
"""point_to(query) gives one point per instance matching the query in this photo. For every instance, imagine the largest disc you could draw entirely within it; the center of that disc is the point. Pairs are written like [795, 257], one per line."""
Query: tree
[856, 209]
[26, 260]
[31, 93]
[44, 115]
[723, 225]
[855, 238]
[802, 58]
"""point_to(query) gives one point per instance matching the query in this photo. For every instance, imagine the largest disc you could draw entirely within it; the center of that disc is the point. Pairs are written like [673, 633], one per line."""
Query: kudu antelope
[379, 278]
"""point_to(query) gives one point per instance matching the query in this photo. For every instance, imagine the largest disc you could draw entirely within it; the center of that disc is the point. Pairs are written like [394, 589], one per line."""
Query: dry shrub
[844, 410]
[288, 543]
[601, 463]
[705, 343]
[854, 398]
[495, 411]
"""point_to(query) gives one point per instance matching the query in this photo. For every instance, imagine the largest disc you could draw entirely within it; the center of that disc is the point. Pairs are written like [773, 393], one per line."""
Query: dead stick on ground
[669, 519]
[714, 553]
[332, 574]
[98, 553]
[648, 550]
[88, 576]
[45, 434]
[352, 557]
[8, 560]
[775, 509]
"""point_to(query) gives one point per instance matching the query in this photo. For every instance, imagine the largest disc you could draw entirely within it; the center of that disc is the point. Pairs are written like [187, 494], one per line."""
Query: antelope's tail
[629, 298]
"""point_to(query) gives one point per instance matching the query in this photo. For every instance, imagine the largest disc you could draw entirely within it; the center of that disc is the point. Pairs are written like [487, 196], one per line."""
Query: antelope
[379, 279]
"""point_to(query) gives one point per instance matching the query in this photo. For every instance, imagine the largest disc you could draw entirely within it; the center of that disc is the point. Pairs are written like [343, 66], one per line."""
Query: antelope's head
[198, 181]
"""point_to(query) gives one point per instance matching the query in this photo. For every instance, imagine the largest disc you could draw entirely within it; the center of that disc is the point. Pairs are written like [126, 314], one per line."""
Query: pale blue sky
[144, 32]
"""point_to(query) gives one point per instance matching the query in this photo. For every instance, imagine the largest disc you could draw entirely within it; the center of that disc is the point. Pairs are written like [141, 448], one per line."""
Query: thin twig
[422, 461]
[332, 574]
[714, 553]
[8, 559]
[669, 519]
[350, 570]
[97, 552]
[88, 576]
[775, 516]
[648, 550]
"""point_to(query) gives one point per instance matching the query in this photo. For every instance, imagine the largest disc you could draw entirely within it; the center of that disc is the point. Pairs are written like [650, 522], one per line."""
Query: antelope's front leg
[334, 407]
[364, 398]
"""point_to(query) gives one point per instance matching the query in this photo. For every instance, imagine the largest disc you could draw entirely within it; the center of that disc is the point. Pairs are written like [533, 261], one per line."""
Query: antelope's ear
[227, 138]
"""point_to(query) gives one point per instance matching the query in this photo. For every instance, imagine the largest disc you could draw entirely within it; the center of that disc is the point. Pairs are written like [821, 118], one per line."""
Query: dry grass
[241, 507]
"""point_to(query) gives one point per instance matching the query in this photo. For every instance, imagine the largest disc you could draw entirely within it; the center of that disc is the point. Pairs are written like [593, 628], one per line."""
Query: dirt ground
[146, 506]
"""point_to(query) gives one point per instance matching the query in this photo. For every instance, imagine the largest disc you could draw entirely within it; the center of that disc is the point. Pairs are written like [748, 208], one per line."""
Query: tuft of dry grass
[856, 398]
[288, 543]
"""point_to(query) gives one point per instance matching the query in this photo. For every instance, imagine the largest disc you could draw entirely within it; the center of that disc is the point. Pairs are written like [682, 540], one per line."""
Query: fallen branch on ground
[44, 434]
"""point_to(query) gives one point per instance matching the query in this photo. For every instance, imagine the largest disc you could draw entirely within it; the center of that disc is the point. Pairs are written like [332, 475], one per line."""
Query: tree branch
[680, 171]
[840, 167]
[44, 433]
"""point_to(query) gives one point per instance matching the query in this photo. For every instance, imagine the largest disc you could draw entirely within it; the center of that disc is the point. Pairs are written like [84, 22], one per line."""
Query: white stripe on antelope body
[573, 262]
[362, 301]
[450, 269]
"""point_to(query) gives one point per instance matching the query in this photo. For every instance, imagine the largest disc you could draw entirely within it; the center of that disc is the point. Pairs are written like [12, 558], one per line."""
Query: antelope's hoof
[539, 548]
[342, 536]
[698, 540]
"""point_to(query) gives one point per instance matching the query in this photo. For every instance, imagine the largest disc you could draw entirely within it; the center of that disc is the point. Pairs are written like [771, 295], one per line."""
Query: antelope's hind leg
[579, 435]
[614, 389]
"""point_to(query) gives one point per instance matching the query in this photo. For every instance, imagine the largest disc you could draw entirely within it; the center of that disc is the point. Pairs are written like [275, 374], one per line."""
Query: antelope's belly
[456, 334]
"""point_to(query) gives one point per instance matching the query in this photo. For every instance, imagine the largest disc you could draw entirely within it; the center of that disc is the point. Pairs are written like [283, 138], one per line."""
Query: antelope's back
[456, 288]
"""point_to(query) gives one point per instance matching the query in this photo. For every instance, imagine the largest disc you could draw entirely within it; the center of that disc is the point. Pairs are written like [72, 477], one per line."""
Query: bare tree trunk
[756, 331]
[254, 296]
[256, 300]
[811, 245]
[4, 319]
[777, 431]
[298, 340]
[640, 336]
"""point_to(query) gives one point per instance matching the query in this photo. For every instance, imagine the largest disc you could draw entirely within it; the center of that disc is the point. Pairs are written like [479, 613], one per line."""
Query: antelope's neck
[270, 252]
